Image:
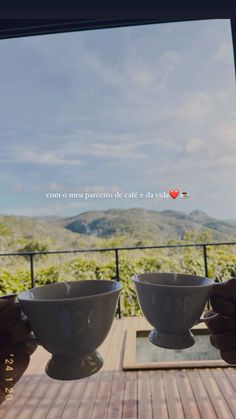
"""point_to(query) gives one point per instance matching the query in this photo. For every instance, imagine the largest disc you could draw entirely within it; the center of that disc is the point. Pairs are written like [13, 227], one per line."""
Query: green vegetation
[221, 265]
[23, 235]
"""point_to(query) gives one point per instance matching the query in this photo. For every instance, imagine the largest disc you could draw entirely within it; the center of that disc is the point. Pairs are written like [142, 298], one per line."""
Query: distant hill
[144, 224]
[128, 227]
[17, 231]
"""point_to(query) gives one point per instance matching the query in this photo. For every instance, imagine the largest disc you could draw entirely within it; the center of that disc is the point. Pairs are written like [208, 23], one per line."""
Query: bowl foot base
[61, 367]
[171, 340]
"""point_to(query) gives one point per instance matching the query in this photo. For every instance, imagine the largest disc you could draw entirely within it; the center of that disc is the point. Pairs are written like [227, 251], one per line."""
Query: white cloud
[21, 156]
[141, 76]
[194, 145]
[192, 110]
[225, 134]
[169, 60]
[54, 186]
[95, 144]
[223, 52]
[195, 109]
[19, 187]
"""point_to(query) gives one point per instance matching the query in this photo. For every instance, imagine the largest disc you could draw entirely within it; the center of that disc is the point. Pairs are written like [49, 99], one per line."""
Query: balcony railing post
[32, 269]
[205, 260]
[118, 279]
[206, 269]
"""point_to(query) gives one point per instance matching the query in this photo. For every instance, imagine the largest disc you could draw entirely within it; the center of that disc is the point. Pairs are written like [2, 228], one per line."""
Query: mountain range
[157, 226]
[98, 229]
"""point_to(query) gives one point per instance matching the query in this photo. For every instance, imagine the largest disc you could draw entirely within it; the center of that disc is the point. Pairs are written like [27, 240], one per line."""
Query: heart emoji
[173, 193]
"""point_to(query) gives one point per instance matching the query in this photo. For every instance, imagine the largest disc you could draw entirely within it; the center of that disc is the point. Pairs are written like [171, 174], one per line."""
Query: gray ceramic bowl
[172, 303]
[71, 320]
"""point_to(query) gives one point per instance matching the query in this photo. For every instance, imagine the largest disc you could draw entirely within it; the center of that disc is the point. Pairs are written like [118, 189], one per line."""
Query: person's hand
[223, 328]
[14, 333]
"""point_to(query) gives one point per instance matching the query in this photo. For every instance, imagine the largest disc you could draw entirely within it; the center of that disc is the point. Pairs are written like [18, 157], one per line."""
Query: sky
[114, 118]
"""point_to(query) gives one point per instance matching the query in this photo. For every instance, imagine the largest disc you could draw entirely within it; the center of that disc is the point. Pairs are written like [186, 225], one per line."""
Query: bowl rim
[135, 279]
[20, 296]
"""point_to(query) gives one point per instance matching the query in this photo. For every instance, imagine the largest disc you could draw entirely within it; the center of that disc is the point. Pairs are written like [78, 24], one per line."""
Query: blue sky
[146, 108]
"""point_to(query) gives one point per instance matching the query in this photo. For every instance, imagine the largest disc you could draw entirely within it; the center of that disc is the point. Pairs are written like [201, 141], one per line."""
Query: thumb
[226, 289]
[6, 300]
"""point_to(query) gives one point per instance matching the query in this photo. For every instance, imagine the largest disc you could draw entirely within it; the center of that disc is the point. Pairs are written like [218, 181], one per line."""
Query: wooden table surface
[112, 393]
